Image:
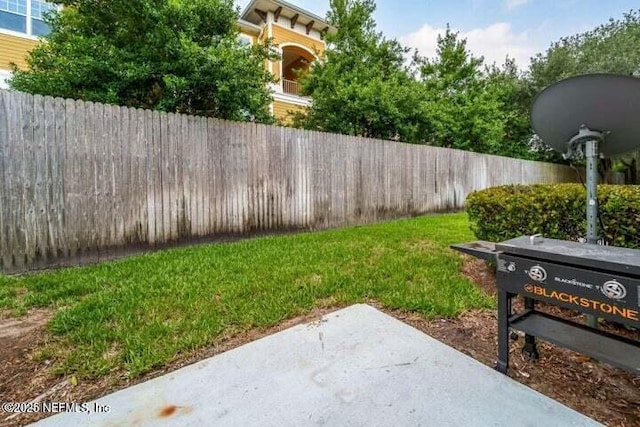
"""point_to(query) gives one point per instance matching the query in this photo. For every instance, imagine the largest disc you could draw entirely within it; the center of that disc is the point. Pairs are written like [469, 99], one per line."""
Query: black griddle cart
[602, 281]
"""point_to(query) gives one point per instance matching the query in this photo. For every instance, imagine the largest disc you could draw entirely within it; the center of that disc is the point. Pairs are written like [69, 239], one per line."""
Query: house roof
[249, 27]
[286, 10]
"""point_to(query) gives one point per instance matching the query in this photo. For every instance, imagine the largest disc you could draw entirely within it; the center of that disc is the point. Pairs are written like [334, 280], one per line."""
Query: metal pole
[591, 152]
[591, 149]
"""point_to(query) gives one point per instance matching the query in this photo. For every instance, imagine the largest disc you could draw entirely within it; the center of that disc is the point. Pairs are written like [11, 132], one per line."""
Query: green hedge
[557, 211]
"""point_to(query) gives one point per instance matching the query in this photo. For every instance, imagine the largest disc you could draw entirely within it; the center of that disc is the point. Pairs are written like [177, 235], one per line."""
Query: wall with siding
[283, 110]
[80, 178]
[14, 49]
[283, 35]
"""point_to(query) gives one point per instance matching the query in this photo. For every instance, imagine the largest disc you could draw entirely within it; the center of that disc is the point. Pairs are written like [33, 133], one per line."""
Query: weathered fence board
[79, 179]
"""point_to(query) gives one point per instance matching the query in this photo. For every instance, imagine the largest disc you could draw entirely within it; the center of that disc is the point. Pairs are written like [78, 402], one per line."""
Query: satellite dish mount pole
[591, 140]
[591, 153]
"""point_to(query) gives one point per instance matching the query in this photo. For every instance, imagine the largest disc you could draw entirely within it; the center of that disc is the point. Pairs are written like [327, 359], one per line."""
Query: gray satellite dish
[592, 114]
[606, 104]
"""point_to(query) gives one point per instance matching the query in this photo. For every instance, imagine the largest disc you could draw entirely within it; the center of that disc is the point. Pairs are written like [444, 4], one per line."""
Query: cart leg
[504, 312]
[530, 348]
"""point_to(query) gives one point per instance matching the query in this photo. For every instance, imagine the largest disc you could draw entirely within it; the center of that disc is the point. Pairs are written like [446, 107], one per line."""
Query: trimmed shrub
[557, 211]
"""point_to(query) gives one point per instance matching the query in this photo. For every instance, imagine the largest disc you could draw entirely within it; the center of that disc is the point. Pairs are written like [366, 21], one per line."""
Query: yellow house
[20, 25]
[298, 35]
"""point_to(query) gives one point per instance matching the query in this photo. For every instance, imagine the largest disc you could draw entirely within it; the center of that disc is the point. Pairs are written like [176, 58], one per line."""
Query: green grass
[139, 313]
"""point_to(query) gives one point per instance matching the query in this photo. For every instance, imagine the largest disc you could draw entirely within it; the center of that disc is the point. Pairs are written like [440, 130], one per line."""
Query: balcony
[295, 60]
[288, 91]
[290, 87]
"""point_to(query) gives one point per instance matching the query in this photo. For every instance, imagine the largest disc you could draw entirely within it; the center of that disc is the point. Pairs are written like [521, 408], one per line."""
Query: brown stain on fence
[82, 182]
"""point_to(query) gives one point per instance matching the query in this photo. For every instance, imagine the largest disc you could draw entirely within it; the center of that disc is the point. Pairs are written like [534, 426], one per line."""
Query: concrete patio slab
[356, 367]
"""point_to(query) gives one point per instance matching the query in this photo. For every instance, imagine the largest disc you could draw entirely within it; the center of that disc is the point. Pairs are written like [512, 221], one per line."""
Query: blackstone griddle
[602, 281]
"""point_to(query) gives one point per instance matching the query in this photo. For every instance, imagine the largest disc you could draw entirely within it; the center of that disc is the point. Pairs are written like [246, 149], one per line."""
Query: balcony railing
[290, 87]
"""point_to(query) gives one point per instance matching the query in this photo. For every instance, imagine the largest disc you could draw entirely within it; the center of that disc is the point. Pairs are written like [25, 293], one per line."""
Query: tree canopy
[366, 86]
[613, 47]
[169, 55]
[470, 106]
[361, 86]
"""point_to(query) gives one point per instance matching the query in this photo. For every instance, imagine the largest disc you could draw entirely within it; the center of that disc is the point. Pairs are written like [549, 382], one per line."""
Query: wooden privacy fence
[78, 178]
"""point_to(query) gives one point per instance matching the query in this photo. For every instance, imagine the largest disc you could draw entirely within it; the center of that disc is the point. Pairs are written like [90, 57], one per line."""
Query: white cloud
[494, 42]
[512, 4]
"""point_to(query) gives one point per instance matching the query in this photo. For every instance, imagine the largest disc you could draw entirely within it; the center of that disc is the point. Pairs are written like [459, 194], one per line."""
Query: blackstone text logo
[587, 303]
[538, 273]
[574, 282]
[614, 290]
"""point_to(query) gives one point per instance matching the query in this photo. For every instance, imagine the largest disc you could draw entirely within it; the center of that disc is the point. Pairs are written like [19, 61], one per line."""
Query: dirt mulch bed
[600, 391]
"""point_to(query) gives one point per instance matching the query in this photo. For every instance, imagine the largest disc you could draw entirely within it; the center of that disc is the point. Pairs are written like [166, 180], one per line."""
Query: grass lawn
[139, 313]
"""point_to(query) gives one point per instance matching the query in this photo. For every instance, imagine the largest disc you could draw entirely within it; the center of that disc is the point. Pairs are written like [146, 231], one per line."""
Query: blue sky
[494, 28]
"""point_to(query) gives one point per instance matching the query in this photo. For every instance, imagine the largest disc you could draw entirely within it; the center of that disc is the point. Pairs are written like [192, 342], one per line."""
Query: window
[25, 16]
[38, 10]
[244, 40]
[13, 15]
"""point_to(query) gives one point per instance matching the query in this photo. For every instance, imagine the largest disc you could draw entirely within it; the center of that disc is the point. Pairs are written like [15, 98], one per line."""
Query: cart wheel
[514, 336]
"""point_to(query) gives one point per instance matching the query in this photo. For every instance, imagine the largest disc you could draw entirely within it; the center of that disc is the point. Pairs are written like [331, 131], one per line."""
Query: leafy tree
[515, 94]
[170, 55]
[451, 90]
[361, 87]
[364, 87]
[609, 48]
[471, 107]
